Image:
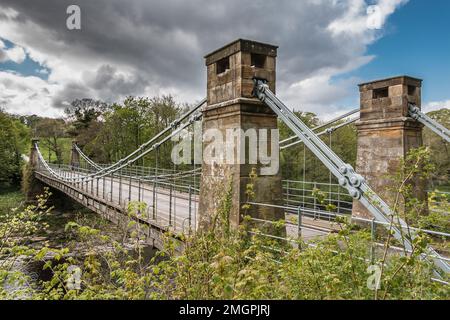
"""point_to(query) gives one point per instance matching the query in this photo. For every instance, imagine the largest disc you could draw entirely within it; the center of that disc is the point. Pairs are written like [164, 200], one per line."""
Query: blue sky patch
[28, 67]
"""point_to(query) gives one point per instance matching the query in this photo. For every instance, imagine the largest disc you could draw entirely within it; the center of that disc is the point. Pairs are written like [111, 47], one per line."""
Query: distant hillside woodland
[107, 133]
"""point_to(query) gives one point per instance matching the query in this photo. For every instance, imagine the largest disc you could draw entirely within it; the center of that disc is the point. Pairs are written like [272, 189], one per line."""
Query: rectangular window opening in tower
[411, 90]
[381, 93]
[258, 60]
[222, 65]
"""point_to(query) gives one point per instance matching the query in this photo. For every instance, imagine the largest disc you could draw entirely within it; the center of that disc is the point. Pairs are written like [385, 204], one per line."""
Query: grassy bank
[10, 197]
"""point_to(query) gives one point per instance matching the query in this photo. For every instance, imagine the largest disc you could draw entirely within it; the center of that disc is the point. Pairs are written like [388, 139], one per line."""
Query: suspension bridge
[240, 94]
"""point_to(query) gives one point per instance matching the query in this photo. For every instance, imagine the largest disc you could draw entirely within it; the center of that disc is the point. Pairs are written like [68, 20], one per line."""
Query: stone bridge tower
[386, 134]
[231, 106]
[74, 155]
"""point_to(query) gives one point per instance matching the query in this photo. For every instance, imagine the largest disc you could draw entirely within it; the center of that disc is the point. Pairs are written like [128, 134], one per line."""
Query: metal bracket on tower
[415, 113]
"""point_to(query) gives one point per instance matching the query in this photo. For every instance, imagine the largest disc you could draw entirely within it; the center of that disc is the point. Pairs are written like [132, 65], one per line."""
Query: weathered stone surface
[237, 81]
[386, 134]
[238, 46]
[231, 105]
[74, 155]
[32, 186]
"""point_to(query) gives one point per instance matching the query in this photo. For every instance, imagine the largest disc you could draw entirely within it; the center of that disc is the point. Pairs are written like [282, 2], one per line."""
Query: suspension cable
[125, 161]
[346, 175]
[328, 130]
[176, 175]
[433, 125]
[352, 112]
[121, 163]
[86, 158]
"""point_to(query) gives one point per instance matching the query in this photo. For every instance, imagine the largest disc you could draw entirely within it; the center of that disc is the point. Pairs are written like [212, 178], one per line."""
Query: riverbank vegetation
[221, 262]
[82, 256]
[106, 133]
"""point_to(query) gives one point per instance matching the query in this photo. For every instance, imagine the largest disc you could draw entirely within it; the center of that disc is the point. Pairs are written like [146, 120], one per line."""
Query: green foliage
[439, 148]
[13, 139]
[53, 139]
[128, 125]
[56, 151]
[438, 206]
[221, 262]
[232, 265]
[16, 225]
[343, 143]
[321, 197]
[218, 263]
[10, 199]
[82, 113]
[414, 171]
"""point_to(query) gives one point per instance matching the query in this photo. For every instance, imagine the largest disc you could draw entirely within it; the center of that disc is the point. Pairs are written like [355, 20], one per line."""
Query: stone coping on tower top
[391, 81]
[242, 45]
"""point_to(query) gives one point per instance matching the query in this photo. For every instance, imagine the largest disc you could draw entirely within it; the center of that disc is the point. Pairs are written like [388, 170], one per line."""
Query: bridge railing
[301, 229]
[145, 174]
[168, 204]
[304, 194]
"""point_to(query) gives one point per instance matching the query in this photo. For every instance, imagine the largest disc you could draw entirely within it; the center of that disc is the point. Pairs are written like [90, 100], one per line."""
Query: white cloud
[16, 54]
[27, 95]
[42, 71]
[388, 7]
[153, 47]
[361, 17]
[324, 96]
[436, 105]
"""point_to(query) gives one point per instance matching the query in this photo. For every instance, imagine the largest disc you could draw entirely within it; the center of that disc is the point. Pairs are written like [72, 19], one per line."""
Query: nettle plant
[231, 264]
[225, 262]
[17, 225]
[414, 172]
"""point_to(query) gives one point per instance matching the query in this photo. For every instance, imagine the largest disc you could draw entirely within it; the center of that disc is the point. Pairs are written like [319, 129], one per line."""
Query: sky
[149, 47]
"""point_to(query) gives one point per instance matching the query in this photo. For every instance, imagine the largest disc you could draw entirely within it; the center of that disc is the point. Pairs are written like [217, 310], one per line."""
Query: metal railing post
[112, 186]
[154, 196]
[299, 223]
[315, 201]
[287, 191]
[139, 189]
[372, 236]
[129, 189]
[170, 205]
[339, 200]
[190, 208]
[120, 187]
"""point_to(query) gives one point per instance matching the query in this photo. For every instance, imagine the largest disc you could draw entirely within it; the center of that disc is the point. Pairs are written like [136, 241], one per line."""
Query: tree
[30, 122]
[51, 131]
[85, 117]
[126, 126]
[298, 162]
[440, 149]
[14, 137]
[85, 111]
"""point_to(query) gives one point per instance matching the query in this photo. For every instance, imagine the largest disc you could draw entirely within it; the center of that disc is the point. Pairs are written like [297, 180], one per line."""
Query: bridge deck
[167, 207]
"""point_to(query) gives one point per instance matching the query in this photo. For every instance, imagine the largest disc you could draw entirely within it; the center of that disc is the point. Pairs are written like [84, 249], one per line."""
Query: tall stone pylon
[385, 134]
[230, 108]
[34, 157]
[30, 185]
[74, 155]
